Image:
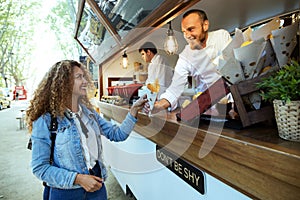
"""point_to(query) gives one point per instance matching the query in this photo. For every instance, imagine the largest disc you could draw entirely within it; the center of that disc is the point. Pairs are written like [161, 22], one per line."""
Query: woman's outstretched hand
[138, 105]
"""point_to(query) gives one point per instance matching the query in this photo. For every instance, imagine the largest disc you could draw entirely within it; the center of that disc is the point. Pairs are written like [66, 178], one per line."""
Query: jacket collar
[82, 109]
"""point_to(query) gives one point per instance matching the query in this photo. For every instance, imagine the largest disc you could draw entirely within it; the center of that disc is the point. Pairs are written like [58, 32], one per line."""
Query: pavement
[16, 180]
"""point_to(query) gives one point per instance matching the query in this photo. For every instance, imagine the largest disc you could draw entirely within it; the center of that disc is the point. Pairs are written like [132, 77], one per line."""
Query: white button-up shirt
[201, 64]
[89, 144]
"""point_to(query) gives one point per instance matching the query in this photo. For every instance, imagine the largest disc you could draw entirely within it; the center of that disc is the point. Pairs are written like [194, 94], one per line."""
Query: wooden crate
[265, 113]
[217, 91]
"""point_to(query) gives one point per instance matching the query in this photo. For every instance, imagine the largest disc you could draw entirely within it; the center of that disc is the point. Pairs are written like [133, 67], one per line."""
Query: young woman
[77, 170]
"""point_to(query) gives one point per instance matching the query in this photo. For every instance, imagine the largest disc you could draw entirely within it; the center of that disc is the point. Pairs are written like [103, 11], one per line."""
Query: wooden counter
[255, 161]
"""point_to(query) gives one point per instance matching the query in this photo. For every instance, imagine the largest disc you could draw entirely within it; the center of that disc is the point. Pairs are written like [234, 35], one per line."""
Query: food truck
[178, 154]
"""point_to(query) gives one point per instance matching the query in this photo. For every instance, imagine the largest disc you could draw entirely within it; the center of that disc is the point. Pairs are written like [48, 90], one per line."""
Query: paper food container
[142, 92]
[265, 31]
[250, 57]
[247, 34]
[236, 42]
[284, 42]
[151, 96]
[270, 56]
[232, 71]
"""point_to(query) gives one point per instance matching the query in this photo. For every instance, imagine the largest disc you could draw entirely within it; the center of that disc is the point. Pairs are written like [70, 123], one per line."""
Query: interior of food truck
[250, 160]
[234, 15]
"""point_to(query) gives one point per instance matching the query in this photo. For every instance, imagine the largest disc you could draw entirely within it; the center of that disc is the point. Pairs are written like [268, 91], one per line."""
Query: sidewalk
[16, 179]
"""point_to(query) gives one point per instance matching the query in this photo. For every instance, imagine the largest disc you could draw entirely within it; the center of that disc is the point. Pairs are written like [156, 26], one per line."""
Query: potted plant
[283, 89]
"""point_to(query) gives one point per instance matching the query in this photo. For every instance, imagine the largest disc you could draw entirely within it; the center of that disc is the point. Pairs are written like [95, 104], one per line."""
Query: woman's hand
[138, 105]
[160, 105]
[89, 183]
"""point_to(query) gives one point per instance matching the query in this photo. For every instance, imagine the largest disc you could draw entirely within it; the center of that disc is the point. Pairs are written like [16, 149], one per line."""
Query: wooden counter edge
[254, 169]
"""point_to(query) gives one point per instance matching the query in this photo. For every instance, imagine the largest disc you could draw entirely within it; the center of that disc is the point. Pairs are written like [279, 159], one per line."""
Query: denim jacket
[68, 158]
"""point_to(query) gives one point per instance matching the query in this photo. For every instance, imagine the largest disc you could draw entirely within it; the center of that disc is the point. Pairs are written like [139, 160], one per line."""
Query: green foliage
[19, 25]
[62, 21]
[17, 22]
[282, 85]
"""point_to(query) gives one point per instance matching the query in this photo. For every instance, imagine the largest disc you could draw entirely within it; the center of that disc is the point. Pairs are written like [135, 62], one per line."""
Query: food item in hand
[154, 87]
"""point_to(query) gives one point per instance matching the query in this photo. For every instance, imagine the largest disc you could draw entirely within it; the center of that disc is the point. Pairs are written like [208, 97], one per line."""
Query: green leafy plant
[283, 85]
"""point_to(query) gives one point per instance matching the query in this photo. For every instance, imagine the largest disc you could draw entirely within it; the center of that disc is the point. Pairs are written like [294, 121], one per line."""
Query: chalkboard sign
[183, 169]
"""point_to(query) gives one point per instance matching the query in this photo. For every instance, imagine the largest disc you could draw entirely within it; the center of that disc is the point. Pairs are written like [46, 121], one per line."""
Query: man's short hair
[201, 14]
[148, 46]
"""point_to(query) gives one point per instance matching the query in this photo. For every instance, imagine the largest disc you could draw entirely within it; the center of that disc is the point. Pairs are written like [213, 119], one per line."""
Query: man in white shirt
[198, 59]
[158, 67]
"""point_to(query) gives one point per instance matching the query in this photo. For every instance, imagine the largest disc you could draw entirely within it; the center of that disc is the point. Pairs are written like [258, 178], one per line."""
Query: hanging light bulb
[171, 45]
[124, 60]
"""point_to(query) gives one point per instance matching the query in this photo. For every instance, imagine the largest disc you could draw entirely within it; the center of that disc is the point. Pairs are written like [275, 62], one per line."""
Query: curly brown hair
[54, 93]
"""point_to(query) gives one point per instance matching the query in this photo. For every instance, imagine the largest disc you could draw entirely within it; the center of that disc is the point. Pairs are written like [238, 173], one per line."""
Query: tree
[62, 21]
[17, 23]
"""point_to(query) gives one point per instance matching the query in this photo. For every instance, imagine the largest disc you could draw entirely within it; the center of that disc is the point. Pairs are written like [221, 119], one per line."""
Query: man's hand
[89, 183]
[158, 106]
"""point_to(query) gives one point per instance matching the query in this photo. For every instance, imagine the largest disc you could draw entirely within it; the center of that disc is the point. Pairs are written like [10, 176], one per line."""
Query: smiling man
[198, 59]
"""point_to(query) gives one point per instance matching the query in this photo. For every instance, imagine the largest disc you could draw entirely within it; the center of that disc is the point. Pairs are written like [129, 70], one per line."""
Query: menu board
[124, 15]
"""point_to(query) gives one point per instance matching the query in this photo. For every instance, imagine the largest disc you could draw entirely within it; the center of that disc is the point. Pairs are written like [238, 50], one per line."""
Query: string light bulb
[124, 60]
[170, 45]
